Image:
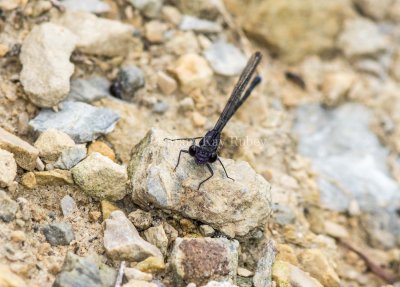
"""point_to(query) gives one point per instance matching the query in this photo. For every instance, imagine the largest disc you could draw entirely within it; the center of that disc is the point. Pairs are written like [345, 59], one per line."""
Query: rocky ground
[90, 89]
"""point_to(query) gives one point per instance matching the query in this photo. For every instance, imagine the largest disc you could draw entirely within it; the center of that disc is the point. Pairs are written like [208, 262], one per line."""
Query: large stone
[200, 260]
[98, 35]
[123, 242]
[295, 28]
[82, 122]
[85, 272]
[361, 37]
[233, 207]
[51, 143]
[46, 68]
[100, 177]
[8, 207]
[25, 155]
[8, 168]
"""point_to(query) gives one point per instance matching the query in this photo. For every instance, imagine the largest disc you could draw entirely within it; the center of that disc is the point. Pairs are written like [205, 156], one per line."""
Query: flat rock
[97, 35]
[25, 155]
[92, 6]
[53, 177]
[70, 157]
[200, 260]
[361, 37]
[190, 23]
[8, 207]
[47, 84]
[89, 90]
[82, 122]
[135, 274]
[51, 143]
[233, 207]
[100, 177]
[149, 8]
[225, 59]
[59, 233]
[8, 168]
[85, 271]
[192, 72]
[123, 242]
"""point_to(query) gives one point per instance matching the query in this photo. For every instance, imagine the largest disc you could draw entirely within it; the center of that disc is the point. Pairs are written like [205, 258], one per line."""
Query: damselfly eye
[192, 150]
[213, 157]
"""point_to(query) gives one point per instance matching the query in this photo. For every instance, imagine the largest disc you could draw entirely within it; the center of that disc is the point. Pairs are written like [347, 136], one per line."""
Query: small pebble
[206, 230]
[186, 104]
[141, 219]
[128, 81]
[199, 25]
[107, 208]
[156, 236]
[70, 157]
[8, 207]
[149, 8]
[160, 107]
[68, 205]
[29, 180]
[8, 168]
[133, 273]
[51, 143]
[167, 84]
[151, 265]
[92, 6]
[18, 236]
[94, 216]
[154, 31]
[198, 119]
[60, 233]
[171, 14]
[89, 90]
[244, 272]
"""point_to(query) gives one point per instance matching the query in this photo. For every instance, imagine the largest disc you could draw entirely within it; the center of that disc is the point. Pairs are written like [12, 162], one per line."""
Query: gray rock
[283, 214]
[89, 90]
[100, 177]
[71, 156]
[92, 6]
[68, 205]
[348, 156]
[141, 219]
[160, 107]
[262, 276]
[149, 8]
[190, 23]
[225, 59]
[8, 207]
[47, 84]
[59, 233]
[361, 37]
[82, 122]
[123, 242]
[200, 260]
[233, 207]
[128, 81]
[96, 35]
[85, 272]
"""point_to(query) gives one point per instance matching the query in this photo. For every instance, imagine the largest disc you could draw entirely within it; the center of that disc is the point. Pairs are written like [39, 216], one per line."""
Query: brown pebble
[18, 236]
[29, 180]
[102, 148]
[94, 215]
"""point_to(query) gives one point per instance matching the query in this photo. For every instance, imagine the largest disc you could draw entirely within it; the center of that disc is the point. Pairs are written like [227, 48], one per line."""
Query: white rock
[93, 6]
[25, 155]
[46, 69]
[97, 35]
[68, 205]
[244, 272]
[361, 37]
[199, 25]
[8, 168]
[225, 59]
[155, 183]
[100, 177]
[123, 242]
[51, 143]
[335, 230]
[219, 284]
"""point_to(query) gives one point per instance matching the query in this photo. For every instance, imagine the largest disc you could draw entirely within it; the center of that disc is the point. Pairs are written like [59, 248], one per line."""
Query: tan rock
[25, 155]
[167, 84]
[8, 168]
[3, 50]
[9, 279]
[151, 265]
[244, 272]
[139, 283]
[198, 119]
[154, 31]
[157, 236]
[192, 71]
[51, 143]
[107, 208]
[136, 274]
[53, 177]
[29, 180]
[315, 262]
[141, 219]
[335, 230]
[101, 148]
[287, 275]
